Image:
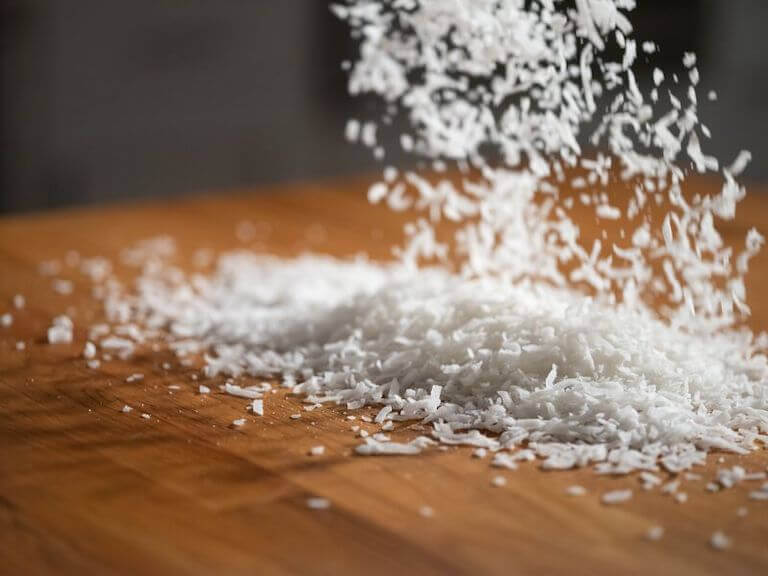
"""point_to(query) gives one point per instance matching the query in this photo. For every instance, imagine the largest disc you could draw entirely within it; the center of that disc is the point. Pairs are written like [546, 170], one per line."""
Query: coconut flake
[719, 541]
[616, 497]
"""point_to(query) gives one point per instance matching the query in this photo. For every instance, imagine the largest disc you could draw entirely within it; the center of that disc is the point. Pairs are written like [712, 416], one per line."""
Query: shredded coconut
[499, 481]
[426, 512]
[61, 330]
[719, 541]
[486, 363]
[317, 451]
[63, 287]
[655, 533]
[89, 351]
[318, 503]
[616, 497]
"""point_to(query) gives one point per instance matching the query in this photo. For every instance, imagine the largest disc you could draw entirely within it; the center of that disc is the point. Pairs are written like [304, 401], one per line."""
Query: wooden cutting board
[85, 488]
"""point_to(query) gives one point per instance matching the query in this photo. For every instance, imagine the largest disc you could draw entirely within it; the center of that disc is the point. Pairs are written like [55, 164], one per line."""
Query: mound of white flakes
[485, 362]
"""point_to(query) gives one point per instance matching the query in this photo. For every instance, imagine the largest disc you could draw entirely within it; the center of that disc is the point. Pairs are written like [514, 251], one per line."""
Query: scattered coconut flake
[317, 451]
[426, 511]
[136, 377]
[63, 287]
[257, 407]
[719, 541]
[755, 476]
[576, 490]
[616, 496]
[125, 409]
[202, 389]
[61, 330]
[655, 533]
[6, 320]
[250, 393]
[238, 422]
[374, 447]
[89, 351]
[499, 481]
[122, 346]
[318, 503]
[649, 480]
[729, 477]
[671, 487]
[479, 453]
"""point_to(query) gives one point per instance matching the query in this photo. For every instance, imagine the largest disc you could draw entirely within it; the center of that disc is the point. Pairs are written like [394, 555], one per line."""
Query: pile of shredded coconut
[486, 363]
[538, 347]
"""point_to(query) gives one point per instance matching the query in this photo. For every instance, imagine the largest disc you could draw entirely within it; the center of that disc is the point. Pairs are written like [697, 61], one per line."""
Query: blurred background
[108, 100]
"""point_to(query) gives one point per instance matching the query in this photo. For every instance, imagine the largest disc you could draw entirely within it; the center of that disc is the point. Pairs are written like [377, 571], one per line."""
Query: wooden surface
[87, 489]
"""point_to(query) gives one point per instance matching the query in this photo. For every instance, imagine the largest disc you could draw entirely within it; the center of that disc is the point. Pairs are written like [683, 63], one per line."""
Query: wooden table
[85, 488]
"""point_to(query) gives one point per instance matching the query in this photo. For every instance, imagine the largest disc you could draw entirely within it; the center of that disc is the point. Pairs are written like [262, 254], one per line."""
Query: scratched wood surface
[85, 488]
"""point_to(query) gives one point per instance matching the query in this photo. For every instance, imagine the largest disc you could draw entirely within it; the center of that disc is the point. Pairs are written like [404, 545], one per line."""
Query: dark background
[105, 99]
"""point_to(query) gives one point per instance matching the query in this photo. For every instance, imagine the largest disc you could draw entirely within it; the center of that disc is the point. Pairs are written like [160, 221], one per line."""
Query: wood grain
[85, 488]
